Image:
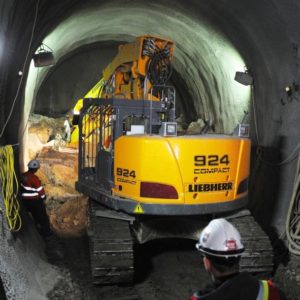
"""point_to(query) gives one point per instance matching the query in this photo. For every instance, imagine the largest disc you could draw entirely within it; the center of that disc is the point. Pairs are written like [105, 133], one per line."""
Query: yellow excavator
[144, 179]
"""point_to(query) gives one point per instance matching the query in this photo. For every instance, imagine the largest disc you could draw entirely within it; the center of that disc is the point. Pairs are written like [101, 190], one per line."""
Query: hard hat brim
[232, 253]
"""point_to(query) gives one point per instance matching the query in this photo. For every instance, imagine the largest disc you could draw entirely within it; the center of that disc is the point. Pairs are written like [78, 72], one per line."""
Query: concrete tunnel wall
[208, 39]
[204, 65]
[264, 33]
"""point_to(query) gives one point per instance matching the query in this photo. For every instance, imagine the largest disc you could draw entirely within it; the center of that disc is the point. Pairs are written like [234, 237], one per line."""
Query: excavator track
[111, 248]
[258, 256]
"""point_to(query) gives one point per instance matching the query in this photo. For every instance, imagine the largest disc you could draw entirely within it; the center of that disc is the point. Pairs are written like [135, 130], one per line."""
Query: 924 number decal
[210, 160]
[126, 172]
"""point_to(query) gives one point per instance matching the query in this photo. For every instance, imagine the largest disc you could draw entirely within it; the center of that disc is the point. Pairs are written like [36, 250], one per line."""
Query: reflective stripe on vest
[26, 195]
[30, 192]
[31, 189]
[263, 293]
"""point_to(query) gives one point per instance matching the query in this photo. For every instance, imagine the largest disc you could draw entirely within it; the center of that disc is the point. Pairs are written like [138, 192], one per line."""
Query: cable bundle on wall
[293, 218]
[10, 187]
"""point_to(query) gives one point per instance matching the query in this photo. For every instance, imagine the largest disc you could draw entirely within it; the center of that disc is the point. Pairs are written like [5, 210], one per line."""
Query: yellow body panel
[75, 135]
[202, 169]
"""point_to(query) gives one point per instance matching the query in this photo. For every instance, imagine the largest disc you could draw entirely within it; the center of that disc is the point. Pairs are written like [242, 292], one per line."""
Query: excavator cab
[103, 121]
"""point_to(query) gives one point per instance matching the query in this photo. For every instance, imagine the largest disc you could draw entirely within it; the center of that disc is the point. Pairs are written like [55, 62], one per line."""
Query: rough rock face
[58, 173]
[45, 128]
[66, 207]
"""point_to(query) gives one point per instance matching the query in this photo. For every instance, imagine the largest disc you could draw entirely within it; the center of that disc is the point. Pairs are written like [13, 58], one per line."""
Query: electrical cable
[23, 70]
[254, 114]
[287, 160]
[10, 188]
[160, 69]
[292, 228]
[292, 225]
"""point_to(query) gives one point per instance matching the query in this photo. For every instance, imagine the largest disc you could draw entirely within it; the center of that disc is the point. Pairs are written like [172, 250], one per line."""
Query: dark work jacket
[31, 187]
[241, 286]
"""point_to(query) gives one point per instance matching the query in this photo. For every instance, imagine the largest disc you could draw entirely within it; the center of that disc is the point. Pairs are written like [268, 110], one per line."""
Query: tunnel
[214, 41]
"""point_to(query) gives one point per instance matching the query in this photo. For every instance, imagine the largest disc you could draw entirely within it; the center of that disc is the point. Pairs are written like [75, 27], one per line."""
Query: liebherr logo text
[210, 187]
[211, 164]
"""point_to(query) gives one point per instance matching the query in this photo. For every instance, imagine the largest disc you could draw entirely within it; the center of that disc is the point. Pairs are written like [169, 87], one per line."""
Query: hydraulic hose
[160, 69]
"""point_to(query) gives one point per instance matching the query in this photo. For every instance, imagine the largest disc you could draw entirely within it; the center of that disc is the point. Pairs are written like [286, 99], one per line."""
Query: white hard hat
[34, 164]
[220, 238]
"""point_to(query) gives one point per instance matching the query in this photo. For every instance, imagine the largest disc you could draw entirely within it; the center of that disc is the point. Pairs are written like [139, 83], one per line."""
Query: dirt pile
[66, 207]
[69, 218]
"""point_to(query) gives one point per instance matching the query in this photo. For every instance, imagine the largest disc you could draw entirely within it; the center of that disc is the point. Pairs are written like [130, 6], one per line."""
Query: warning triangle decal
[138, 209]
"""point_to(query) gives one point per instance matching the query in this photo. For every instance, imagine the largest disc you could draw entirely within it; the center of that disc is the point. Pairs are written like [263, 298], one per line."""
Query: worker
[67, 130]
[33, 196]
[221, 247]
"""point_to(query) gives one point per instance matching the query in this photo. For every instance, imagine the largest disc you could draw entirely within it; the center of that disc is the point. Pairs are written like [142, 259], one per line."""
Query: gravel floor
[165, 270]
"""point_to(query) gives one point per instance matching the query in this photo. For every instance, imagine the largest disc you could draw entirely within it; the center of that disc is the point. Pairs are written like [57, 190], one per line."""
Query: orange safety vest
[31, 187]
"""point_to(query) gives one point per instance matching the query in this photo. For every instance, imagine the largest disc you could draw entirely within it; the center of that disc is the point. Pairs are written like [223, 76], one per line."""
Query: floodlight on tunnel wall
[288, 90]
[244, 78]
[43, 57]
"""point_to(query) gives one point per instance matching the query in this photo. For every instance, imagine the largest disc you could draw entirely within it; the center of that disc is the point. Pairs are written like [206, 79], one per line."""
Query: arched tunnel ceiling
[205, 59]
[263, 32]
